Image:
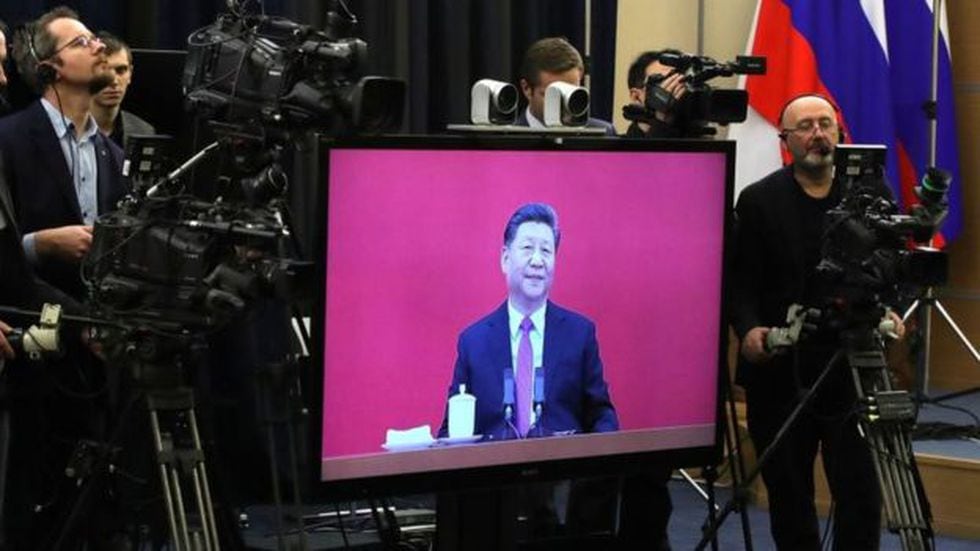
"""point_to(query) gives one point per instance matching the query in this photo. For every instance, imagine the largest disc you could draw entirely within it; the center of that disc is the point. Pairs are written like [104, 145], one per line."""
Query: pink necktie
[525, 377]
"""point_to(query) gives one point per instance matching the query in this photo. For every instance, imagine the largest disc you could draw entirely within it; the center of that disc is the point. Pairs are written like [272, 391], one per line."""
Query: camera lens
[578, 103]
[505, 100]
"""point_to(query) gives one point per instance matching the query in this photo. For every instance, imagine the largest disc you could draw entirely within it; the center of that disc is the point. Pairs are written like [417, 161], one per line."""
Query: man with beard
[62, 173]
[61, 170]
[780, 222]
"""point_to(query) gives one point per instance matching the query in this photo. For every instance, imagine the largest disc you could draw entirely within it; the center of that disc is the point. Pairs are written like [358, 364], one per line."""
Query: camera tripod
[924, 305]
[928, 301]
[884, 419]
[733, 447]
[178, 455]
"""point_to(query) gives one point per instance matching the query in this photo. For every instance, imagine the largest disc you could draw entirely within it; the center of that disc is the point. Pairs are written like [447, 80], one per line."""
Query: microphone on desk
[508, 394]
[538, 399]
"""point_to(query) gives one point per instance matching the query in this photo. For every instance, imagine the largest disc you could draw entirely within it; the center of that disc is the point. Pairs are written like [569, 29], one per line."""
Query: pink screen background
[413, 257]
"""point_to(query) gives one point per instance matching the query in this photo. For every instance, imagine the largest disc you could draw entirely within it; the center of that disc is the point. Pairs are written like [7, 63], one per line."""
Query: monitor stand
[477, 520]
[501, 519]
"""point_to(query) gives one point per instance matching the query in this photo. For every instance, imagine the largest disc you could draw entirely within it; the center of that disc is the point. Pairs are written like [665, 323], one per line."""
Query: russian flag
[874, 59]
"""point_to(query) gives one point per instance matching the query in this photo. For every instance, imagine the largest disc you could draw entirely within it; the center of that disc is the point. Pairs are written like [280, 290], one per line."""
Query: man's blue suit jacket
[43, 191]
[591, 123]
[576, 398]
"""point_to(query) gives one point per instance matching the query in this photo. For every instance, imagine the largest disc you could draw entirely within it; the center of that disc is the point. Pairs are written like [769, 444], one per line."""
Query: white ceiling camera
[493, 102]
[565, 105]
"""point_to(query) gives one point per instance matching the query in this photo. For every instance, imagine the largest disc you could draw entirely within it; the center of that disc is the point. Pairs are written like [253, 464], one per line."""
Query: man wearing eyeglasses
[780, 223]
[61, 171]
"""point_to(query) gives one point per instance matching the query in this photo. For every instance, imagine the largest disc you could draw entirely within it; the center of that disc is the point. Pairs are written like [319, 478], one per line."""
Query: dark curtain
[160, 24]
[440, 47]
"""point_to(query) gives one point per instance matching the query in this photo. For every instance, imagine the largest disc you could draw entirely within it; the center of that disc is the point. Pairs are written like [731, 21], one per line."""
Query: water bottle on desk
[462, 414]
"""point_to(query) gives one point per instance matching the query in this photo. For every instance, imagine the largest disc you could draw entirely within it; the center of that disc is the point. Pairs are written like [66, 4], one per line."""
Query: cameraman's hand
[754, 345]
[70, 243]
[6, 351]
[673, 85]
[897, 330]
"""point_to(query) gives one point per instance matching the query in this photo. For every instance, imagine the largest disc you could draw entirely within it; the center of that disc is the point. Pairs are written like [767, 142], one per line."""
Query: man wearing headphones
[780, 221]
[61, 171]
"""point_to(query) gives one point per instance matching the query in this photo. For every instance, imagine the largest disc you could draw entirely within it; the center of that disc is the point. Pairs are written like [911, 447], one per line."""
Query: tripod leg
[905, 316]
[711, 477]
[179, 506]
[201, 476]
[297, 497]
[165, 455]
[694, 484]
[734, 447]
[959, 332]
[884, 423]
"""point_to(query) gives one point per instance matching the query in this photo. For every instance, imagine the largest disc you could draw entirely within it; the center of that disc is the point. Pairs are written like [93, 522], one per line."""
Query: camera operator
[780, 222]
[645, 67]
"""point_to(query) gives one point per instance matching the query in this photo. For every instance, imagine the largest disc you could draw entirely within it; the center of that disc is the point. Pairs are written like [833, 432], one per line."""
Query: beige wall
[653, 24]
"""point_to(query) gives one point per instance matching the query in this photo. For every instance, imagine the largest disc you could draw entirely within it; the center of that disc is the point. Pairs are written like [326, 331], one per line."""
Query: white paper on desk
[417, 435]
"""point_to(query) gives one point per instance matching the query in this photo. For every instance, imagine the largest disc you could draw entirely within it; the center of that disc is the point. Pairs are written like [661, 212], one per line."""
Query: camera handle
[169, 179]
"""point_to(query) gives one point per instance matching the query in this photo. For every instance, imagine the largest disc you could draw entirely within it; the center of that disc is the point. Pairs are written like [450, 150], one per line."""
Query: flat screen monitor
[412, 251]
[155, 93]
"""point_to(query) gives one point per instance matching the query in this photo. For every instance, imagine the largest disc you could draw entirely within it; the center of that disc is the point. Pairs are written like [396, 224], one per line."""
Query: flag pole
[929, 300]
[932, 107]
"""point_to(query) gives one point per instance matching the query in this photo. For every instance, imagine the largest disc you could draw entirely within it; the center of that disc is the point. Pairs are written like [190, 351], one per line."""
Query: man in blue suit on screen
[532, 365]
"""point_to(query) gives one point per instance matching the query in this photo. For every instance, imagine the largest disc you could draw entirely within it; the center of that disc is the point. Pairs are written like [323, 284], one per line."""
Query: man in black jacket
[18, 288]
[780, 222]
[62, 172]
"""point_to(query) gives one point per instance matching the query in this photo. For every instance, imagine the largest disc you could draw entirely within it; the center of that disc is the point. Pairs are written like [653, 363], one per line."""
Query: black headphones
[44, 69]
[841, 134]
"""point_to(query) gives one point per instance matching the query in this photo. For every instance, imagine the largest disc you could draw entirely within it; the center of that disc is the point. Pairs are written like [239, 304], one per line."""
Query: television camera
[701, 104]
[279, 74]
[171, 259]
[172, 265]
[866, 261]
[864, 251]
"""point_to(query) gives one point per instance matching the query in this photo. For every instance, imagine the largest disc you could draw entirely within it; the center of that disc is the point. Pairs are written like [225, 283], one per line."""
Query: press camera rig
[869, 248]
[701, 104]
[173, 264]
[867, 261]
